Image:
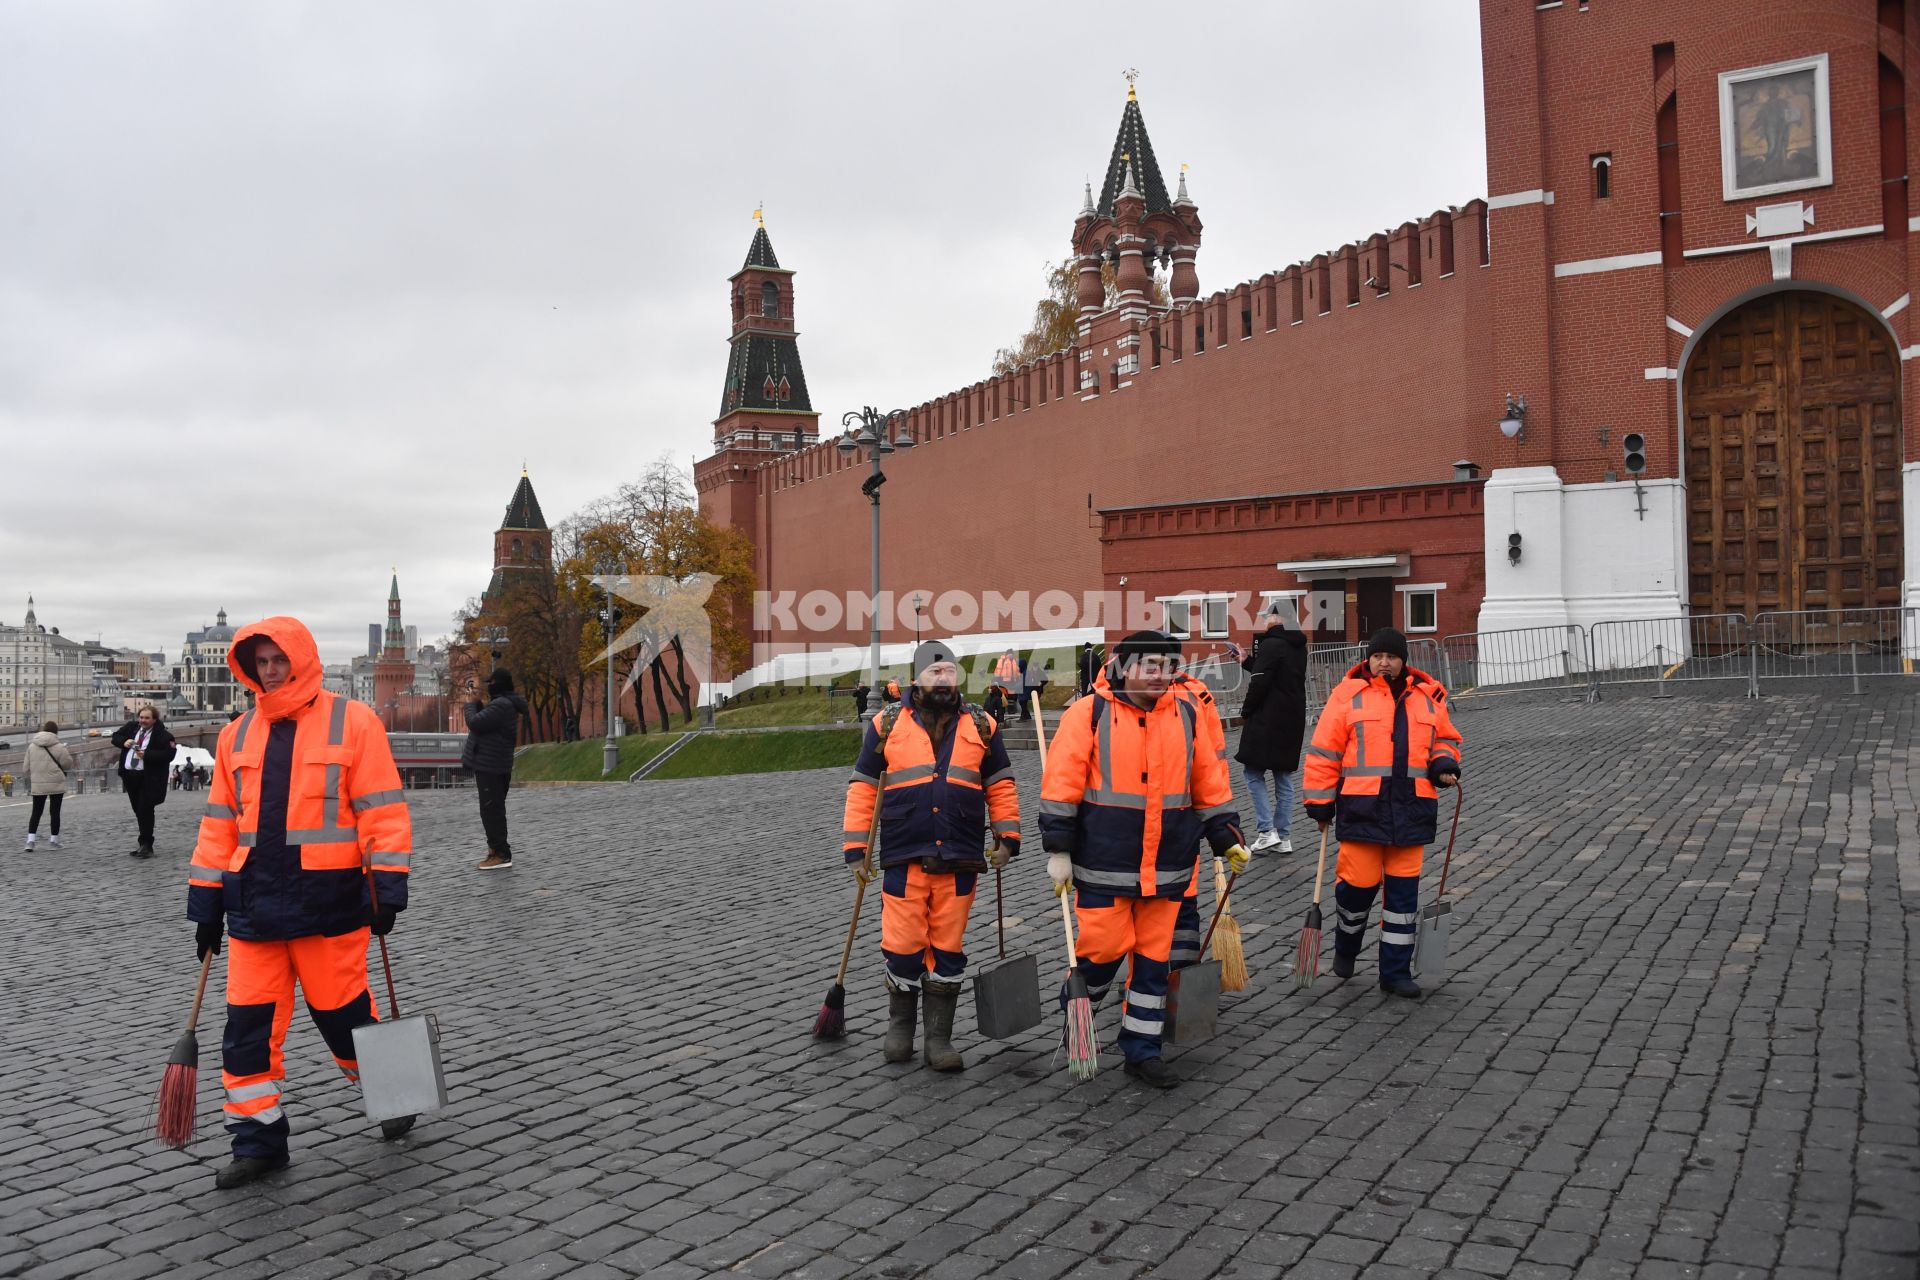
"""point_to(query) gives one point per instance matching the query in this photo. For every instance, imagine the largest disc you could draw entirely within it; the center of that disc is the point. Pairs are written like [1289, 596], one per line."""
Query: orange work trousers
[332, 974]
[1362, 865]
[1139, 931]
[923, 925]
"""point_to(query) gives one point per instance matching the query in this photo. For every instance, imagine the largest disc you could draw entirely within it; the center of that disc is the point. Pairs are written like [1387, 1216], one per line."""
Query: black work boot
[391, 1129]
[903, 1008]
[941, 1001]
[1401, 987]
[1153, 1071]
[1342, 965]
[245, 1169]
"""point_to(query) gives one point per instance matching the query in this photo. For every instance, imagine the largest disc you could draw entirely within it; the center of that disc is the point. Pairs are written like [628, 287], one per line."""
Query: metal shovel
[399, 1058]
[1430, 931]
[1006, 991]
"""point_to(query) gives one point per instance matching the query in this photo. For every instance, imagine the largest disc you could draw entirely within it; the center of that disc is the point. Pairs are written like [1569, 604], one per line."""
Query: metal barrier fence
[1854, 643]
[1525, 657]
[1660, 651]
[1851, 644]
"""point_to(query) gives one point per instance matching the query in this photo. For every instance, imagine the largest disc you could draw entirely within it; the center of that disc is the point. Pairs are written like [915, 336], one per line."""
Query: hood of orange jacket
[302, 687]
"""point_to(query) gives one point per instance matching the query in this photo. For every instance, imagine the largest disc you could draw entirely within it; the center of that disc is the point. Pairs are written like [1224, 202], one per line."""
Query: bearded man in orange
[306, 829]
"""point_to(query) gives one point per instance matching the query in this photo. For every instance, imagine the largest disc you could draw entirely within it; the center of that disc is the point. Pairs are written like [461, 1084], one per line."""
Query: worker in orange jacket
[306, 827]
[948, 786]
[1130, 789]
[1384, 747]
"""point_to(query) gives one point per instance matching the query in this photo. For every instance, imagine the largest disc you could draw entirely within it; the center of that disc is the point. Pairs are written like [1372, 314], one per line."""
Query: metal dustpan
[1193, 1003]
[1436, 919]
[400, 1071]
[1006, 991]
[399, 1059]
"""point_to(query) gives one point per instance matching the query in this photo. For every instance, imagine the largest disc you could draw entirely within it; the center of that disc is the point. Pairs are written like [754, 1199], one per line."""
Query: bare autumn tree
[1056, 316]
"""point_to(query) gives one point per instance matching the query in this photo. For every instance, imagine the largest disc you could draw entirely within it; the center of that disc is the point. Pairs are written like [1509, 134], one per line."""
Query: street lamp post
[875, 432]
[610, 754]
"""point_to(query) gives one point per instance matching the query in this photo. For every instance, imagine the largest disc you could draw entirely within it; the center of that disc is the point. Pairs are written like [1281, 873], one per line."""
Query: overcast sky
[289, 291]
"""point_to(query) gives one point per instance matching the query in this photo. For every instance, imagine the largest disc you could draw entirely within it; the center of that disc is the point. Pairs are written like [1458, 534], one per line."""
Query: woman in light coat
[48, 764]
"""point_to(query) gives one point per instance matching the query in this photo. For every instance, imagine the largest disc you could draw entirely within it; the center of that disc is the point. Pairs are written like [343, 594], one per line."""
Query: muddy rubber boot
[939, 1052]
[903, 1009]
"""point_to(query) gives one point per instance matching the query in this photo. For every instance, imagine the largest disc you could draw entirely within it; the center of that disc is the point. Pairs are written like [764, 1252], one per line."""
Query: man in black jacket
[492, 733]
[1273, 720]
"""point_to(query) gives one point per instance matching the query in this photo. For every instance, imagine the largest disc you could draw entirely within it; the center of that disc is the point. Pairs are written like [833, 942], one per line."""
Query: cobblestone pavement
[1679, 1040]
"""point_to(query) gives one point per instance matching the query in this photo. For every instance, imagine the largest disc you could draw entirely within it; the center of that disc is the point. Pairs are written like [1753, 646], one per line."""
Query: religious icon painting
[1775, 130]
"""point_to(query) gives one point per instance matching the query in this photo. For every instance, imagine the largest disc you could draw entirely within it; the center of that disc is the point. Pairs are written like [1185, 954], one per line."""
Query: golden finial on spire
[760, 214]
[1130, 75]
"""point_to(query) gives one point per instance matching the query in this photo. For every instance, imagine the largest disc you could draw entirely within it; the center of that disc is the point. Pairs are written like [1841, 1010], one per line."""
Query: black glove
[1321, 813]
[1443, 773]
[383, 921]
[206, 938]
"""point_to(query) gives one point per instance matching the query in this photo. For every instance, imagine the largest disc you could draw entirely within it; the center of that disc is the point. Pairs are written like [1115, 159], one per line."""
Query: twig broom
[1083, 1054]
[1226, 935]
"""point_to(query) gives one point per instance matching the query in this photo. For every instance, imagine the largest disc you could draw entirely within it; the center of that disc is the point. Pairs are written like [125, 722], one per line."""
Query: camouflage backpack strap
[889, 717]
[982, 723]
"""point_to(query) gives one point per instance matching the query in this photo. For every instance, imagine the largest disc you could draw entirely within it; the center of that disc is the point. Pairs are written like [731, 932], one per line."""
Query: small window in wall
[1213, 617]
[1179, 618]
[1421, 612]
[769, 299]
[1602, 175]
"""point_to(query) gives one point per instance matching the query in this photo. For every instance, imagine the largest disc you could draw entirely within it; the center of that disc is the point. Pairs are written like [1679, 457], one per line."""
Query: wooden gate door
[1793, 462]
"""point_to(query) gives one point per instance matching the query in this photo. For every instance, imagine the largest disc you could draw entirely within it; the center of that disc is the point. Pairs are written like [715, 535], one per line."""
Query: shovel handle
[999, 914]
[1459, 798]
[199, 990]
[386, 964]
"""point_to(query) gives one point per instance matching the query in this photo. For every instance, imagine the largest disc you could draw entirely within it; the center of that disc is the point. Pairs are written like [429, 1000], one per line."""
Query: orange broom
[180, 1087]
[1306, 965]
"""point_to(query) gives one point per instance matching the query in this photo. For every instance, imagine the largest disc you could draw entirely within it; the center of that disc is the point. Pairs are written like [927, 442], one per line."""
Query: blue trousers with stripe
[1398, 917]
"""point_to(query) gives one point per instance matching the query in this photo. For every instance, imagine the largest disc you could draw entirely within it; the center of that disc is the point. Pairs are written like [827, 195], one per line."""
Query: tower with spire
[521, 543]
[392, 674]
[765, 411]
[1133, 227]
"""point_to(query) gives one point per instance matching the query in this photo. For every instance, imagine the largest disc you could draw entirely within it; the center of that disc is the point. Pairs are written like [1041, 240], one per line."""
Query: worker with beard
[939, 771]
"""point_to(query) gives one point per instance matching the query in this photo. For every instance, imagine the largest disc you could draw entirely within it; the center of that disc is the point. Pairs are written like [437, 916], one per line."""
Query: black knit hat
[501, 681]
[1387, 640]
[1143, 644]
[930, 652]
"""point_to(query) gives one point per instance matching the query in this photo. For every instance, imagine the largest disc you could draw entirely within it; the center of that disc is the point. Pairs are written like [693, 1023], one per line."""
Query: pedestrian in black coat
[1273, 721]
[493, 730]
[146, 749]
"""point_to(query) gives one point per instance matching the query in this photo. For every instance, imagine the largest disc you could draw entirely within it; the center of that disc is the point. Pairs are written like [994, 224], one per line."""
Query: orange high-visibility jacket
[1129, 793]
[1006, 672]
[939, 797]
[345, 811]
[1374, 758]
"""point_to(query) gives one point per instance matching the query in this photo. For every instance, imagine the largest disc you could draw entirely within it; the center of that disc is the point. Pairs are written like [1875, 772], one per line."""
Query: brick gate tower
[392, 673]
[765, 412]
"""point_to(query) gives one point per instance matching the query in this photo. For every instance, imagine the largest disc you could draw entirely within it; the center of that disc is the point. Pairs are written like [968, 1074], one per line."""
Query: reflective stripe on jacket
[1373, 756]
[1130, 793]
[939, 795]
[344, 814]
